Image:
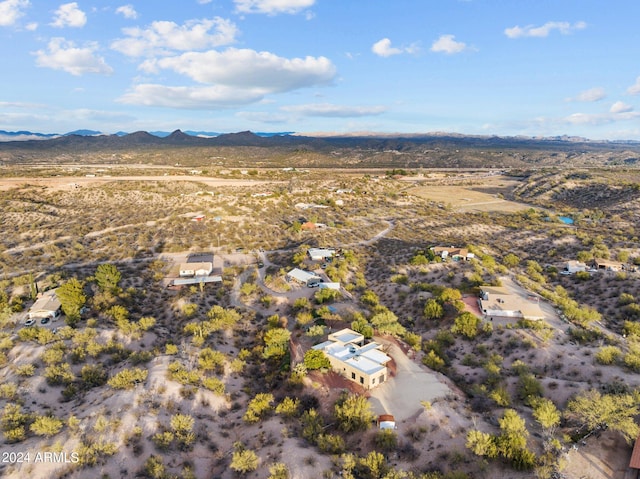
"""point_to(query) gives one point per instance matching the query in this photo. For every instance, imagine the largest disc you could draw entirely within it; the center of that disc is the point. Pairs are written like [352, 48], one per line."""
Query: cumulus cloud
[272, 7]
[189, 97]
[164, 37]
[602, 118]
[127, 11]
[635, 88]
[64, 55]
[448, 44]
[69, 15]
[590, 95]
[620, 107]
[565, 28]
[383, 48]
[11, 10]
[244, 68]
[229, 78]
[334, 111]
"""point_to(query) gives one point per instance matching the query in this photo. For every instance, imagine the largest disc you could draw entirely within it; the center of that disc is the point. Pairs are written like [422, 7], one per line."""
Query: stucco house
[46, 306]
[321, 254]
[498, 301]
[364, 364]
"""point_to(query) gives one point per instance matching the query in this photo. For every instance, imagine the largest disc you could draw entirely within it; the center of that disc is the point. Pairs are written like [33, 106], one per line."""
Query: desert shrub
[288, 407]
[163, 440]
[128, 378]
[279, 470]
[467, 325]
[46, 426]
[353, 412]
[330, 443]
[26, 370]
[59, 374]
[608, 355]
[215, 385]
[93, 375]
[386, 440]
[529, 388]
[315, 359]
[243, 460]
[258, 407]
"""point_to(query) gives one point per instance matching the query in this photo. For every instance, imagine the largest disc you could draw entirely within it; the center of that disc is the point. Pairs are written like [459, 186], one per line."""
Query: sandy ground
[402, 394]
[68, 182]
[474, 197]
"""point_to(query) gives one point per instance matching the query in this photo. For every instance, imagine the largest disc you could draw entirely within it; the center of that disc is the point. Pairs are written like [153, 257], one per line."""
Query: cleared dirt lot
[482, 195]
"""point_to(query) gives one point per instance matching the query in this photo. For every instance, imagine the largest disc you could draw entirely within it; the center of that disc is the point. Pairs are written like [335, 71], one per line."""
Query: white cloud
[69, 15]
[31, 27]
[64, 55]
[590, 95]
[565, 28]
[447, 44]
[383, 48]
[620, 107]
[163, 37]
[244, 68]
[127, 11]
[272, 7]
[230, 78]
[11, 10]
[600, 118]
[635, 88]
[334, 111]
[195, 98]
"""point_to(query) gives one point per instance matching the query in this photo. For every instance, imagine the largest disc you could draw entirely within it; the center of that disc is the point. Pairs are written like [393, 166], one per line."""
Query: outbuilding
[46, 306]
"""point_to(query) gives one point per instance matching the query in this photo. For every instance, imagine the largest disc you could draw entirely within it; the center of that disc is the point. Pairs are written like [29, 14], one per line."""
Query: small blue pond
[566, 220]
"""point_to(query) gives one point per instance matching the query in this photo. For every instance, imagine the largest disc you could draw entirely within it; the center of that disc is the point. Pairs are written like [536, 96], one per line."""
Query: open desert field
[477, 195]
[218, 379]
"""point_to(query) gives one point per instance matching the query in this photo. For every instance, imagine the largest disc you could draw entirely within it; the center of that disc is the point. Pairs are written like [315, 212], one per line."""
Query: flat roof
[324, 252]
[48, 301]
[511, 303]
[346, 336]
[364, 364]
[197, 279]
[302, 275]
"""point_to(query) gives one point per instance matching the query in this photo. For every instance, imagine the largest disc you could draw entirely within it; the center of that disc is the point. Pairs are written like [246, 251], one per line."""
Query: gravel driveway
[402, 394]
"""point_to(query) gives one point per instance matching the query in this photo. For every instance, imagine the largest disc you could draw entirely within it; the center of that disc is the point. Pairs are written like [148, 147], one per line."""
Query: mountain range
[444, 150]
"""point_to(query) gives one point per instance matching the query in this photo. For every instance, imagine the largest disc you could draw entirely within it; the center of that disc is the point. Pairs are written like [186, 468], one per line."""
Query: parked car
[30, 322]
[45, 320]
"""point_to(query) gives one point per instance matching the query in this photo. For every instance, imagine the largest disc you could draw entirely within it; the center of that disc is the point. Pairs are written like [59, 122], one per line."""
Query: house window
[382, 378]
[373, 381]
[361, 380]
[353, 376]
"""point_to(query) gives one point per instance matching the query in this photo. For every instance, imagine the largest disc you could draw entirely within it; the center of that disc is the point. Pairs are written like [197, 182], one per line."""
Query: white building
[364, 364]
[46, 306]
[498, 301]
[321, 254]
[575, 266]
[196, 269]
[304, 277]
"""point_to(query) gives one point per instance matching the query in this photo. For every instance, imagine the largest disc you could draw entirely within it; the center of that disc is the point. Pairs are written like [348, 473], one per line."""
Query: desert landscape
[149, 371]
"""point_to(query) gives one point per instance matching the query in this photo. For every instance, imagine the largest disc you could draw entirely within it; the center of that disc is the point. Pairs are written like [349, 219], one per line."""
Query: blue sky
[503, 67]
